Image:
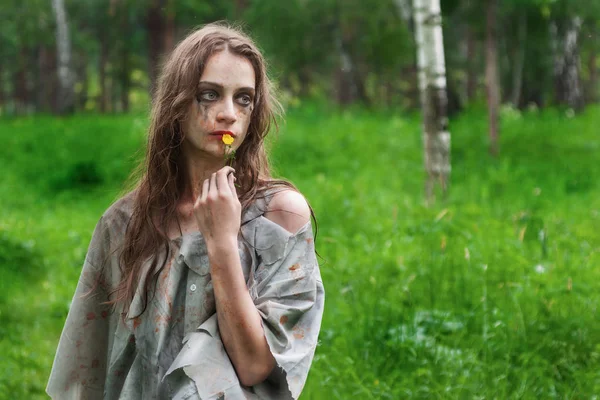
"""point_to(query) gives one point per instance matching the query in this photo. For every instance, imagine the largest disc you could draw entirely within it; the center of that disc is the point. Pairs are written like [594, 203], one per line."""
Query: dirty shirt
[174, 349]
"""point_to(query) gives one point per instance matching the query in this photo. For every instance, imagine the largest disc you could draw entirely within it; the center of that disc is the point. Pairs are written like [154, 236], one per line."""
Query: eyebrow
[219, 86]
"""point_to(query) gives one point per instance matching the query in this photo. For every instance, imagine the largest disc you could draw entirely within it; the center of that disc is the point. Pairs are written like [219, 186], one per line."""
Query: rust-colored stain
[78, 343]
[90, 316]
[104, 314]
[283, 319]
[95, 363]
[136, 322]
[298, 332]
[294, 267]
[309, 240]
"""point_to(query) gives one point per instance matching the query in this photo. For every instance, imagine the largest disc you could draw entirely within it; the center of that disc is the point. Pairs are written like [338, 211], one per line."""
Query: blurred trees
[344, 50]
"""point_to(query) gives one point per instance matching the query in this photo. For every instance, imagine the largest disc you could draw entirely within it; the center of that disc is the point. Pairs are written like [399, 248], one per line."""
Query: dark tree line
[526, 52]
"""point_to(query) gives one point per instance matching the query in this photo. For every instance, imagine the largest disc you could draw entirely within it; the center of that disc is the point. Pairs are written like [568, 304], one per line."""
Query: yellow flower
[227, 139]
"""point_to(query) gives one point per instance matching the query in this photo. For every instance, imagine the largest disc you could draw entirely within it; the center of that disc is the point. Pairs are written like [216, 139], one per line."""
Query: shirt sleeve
[79, 369]
[288, 292]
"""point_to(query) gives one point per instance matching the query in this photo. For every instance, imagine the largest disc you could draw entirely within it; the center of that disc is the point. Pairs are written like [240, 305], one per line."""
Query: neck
[197, 169]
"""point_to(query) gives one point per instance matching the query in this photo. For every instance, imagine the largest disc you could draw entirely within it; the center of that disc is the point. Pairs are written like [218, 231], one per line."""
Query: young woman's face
[224, 104]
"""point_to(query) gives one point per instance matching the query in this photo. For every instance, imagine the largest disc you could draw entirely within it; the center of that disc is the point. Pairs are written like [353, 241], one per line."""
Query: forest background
[487, 288]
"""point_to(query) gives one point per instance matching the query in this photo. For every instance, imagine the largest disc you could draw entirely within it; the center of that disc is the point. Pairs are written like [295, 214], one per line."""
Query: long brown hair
[158, 191]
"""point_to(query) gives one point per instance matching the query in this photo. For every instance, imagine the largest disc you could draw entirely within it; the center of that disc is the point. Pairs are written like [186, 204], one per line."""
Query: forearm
[240, 323]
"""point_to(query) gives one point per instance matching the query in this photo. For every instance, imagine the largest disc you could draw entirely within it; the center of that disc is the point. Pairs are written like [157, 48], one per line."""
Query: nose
[227, 112]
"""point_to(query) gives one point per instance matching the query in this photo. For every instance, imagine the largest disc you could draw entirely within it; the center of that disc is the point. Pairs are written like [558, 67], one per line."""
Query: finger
[227, 170]
[231, 180]
[213, 190]
[222, 182]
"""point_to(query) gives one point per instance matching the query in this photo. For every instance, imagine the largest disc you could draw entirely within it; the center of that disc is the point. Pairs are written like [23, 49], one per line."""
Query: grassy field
[490, 294]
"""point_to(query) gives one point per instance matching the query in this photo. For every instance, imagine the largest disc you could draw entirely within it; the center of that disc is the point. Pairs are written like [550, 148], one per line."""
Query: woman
[202, 283]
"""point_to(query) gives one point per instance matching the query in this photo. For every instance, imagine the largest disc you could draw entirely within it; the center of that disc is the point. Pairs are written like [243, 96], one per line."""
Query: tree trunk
[124, 72]
[346, 91]
[169, 43]
[519, 61]
[155, 28]
[66, 96]
[83, 79]
[41, 85]
[432, 84]
[359, 82]
[2, 97]
[565, 43]
[239, 8]
[471, 65]
[405, 10]
[349, 80]
[52, 81]
[410, 73]
[491, 75]
[593, 67]
[21, 95]
[102, 64]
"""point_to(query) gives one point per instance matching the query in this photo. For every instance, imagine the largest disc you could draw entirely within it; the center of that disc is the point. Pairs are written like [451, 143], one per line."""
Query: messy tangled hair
[163, 171]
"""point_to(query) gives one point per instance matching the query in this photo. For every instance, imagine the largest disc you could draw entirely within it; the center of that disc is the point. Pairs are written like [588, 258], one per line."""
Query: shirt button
[193, 287]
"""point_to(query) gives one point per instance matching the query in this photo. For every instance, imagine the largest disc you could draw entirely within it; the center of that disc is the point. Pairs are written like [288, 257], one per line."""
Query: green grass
[490, 293]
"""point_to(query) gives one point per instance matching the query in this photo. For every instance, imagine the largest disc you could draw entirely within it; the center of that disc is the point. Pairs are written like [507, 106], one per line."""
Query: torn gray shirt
[174, 349]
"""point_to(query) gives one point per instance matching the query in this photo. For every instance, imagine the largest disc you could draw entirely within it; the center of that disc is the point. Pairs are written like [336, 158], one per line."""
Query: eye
[245, 99]
[208, 95]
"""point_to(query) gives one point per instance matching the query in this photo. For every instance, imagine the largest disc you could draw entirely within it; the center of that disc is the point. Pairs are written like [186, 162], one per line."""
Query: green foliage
[306, 36]
[492, 293]
[78, 153]
[20, 266]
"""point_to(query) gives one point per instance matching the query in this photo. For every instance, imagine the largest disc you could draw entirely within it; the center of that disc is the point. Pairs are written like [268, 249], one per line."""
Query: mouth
[219, 134]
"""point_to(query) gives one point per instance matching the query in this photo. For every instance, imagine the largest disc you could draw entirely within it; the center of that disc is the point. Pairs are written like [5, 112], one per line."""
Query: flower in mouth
[227, 139]
[229, 152]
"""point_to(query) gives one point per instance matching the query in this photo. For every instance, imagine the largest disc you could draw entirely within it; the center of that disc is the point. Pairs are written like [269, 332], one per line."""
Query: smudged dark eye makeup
[243, 99]
[207, 95]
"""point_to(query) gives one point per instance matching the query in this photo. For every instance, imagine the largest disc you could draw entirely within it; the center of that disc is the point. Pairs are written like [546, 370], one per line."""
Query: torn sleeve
[288, 293]
[80, 364]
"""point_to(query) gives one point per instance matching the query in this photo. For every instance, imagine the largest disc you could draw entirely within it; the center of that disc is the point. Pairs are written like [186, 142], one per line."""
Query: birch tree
[565, 45]
[432, 86]
[66, 78]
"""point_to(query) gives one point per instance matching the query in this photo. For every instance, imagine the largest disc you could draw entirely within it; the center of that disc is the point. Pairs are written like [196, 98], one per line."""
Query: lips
[221, 133]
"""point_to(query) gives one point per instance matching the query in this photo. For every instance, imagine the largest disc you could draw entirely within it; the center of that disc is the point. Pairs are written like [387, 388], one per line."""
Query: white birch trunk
[432, 86]
[404, 7]
[567, 63]
[65, 72]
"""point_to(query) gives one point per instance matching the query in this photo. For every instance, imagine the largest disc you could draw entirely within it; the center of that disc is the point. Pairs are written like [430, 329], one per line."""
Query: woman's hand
[218, 210]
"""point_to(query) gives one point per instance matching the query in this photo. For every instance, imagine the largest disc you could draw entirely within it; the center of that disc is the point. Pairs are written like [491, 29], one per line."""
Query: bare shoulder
[289, 209]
